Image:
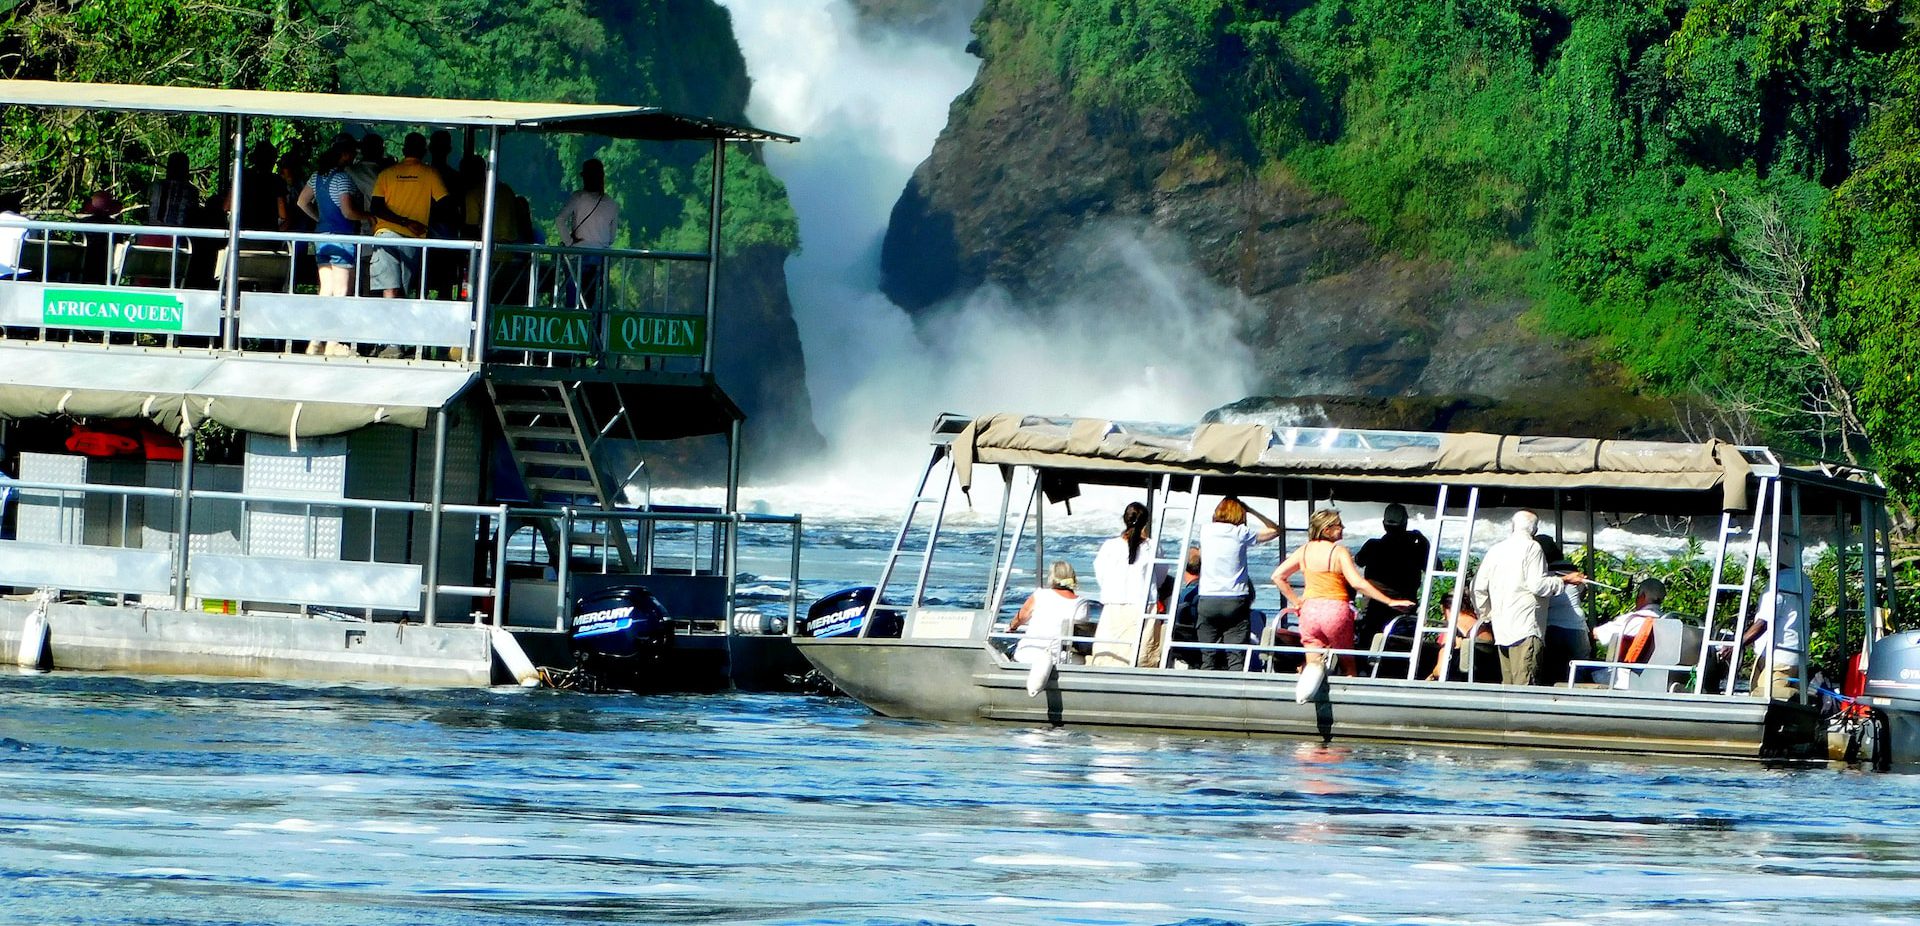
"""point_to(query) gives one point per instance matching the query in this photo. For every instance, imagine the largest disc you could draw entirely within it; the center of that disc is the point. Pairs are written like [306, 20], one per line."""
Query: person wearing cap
[1568, 636]
[1394, 563]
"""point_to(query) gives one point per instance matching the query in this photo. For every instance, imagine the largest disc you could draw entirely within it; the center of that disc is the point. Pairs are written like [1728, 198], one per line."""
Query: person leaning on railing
[1226, 593]
[1326, 607]
[403, 198]
[589, 220]
[329, 198]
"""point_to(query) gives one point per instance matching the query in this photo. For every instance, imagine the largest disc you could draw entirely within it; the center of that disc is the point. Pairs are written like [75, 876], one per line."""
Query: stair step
[542, 458]
[552, 434]
[534, 408]
[552, 486]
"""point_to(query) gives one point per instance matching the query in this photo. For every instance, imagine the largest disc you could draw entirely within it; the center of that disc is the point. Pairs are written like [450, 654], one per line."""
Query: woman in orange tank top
[1326, 610]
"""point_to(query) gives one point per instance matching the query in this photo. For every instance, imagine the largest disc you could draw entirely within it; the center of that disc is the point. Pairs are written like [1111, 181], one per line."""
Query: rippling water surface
[126, 801]
[130, 801]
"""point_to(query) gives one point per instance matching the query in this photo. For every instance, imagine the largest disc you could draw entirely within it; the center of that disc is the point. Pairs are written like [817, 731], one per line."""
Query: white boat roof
[610, 120]
[289, 396]
[1104, 450]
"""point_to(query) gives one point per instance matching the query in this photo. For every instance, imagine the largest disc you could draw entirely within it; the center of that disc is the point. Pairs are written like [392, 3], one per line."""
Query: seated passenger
[1629, 637]
[1475, 658]
[1045, 621]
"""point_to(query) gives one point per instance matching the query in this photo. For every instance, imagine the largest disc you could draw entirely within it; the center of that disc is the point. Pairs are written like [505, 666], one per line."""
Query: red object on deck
[124, 439]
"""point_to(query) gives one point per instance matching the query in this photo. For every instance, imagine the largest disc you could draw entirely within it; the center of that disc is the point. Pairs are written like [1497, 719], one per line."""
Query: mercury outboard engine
[1893, 688]
[620, 635]
[844, 612]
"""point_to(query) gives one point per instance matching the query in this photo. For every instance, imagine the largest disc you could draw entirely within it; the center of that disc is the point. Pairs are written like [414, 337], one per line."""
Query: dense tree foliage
[1720, 194]
[678, 54]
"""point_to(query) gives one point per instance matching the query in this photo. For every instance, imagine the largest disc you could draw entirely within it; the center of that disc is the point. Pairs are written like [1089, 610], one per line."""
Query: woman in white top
[1226, 593]
[1123, 563]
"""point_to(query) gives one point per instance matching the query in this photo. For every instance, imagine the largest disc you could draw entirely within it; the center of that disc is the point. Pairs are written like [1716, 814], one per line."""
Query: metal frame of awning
[611, 120]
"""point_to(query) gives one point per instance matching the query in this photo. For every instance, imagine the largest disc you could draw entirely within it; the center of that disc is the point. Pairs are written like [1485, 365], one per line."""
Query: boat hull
[965, 682]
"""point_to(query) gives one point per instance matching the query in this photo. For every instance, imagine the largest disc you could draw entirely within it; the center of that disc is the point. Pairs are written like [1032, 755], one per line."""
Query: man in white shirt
[589, 219]
[1512, 590]
[1629, 637]
[1779, 626]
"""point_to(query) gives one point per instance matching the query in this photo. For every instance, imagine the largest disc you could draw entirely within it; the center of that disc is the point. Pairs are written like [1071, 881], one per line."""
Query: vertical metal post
[1870, 549]
[1588, 501]
[482, 287]
[563, 568]
[713, 247]
[1806, 586]
[1000, 529]
[1186, 543]
[434, 513]
[183, 523]
[500, 533]
[732, 540]
[1039, 531]
[1013, 549]
[230, 288]
[1840, 572]
[1560, 521]
[793, 580]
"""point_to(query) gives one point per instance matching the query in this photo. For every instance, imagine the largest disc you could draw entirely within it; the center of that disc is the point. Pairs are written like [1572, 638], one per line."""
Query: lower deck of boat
[966, 681]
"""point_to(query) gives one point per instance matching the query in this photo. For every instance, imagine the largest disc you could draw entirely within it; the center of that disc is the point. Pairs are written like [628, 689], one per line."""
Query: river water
[138, 801]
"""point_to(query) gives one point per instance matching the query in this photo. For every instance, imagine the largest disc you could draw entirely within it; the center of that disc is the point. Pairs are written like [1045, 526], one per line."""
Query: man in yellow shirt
[403, 198]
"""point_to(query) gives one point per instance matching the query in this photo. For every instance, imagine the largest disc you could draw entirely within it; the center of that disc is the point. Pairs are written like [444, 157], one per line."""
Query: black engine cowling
[624, 622]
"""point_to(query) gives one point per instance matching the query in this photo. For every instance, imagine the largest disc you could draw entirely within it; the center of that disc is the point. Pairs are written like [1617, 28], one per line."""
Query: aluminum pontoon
[949, 661]
[426, 518]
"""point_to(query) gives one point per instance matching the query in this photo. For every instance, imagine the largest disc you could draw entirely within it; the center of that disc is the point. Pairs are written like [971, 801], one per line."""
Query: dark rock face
[758, 362]
[1022, 168]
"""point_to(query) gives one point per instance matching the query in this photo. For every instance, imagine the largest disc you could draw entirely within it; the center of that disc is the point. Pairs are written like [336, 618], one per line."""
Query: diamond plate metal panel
[316, 470]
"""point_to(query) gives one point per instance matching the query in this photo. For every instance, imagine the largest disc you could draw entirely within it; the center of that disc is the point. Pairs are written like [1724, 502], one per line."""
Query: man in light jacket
[1513, 589]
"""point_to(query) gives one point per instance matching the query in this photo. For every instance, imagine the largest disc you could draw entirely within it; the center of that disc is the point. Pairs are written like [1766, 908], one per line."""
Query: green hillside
[1717, 194]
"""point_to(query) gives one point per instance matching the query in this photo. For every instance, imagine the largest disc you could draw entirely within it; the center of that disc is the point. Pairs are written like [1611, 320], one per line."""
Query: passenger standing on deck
[1511, 590]
[330, 198]
[589, 220]
[1779, 625]
[1394, 563]
[1326, 608]
[1122, 568]
[1568, 636]
[1226, 593]
[1045, 621]
[171, 200]
[403, 199]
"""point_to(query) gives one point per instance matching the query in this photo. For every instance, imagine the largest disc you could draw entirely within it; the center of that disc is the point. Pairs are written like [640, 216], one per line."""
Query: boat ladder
[1743, 541]
[551, 434]
[1174, 562]
[942, 465]
[1444, 525]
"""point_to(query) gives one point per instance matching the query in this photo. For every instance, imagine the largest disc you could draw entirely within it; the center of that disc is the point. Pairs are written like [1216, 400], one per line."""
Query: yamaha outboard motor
[1893, 687]
[620, 634]
[844, 612]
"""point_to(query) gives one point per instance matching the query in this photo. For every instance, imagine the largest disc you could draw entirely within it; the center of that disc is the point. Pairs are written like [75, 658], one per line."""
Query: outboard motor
[844, 612]
[619, 631]
[1893, 687]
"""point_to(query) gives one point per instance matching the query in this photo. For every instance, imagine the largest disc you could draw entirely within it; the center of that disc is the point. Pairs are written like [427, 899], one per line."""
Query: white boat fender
[1037, 677]
[515, 659]
[1311, 678]
[33, 635]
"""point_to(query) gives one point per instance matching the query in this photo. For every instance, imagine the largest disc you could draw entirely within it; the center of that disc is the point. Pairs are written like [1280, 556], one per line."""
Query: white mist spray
[1148, 338]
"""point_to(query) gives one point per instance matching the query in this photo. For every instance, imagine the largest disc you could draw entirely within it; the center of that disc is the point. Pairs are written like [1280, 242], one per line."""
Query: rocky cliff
[1026, 164]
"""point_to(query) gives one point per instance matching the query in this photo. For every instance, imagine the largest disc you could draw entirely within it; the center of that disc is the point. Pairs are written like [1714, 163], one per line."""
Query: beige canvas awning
[610, 120]
[1512, 461]
[289, 396]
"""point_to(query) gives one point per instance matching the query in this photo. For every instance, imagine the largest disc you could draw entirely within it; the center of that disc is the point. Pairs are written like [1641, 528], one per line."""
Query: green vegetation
[1718, 194]
[679, 54]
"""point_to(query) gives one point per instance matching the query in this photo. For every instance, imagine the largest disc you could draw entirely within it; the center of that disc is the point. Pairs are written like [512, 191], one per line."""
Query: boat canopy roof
[1715, 473]
[179, 389]
[610, 120]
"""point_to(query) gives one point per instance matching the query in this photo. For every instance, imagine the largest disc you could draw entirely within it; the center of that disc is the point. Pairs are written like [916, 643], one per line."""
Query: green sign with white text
[556, 330]
[117, 311]
[668, 335]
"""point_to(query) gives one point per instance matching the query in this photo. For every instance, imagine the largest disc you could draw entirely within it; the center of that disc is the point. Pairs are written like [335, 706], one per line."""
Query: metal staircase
[551, 433]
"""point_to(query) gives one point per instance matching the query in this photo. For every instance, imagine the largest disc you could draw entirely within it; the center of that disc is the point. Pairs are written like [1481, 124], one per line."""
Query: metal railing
[314, 513]
[642, 310]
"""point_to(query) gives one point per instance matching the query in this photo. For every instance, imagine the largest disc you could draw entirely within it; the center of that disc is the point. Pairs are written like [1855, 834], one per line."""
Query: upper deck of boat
[163, 317]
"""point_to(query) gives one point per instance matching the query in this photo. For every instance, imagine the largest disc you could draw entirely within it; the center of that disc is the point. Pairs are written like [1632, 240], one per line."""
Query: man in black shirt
[1394, 563]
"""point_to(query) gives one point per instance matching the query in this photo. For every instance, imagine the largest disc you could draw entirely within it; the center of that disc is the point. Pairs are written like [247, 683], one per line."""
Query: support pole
[713, 248]
[482, 287]
[732, 541]
[230, 287]
[183, 523]
[434, 513]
